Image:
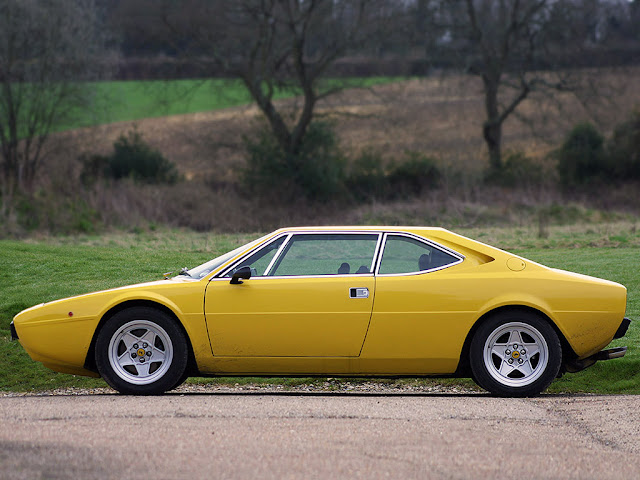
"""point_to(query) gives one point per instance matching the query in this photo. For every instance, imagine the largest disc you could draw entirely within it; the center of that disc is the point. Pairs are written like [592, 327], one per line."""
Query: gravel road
[379, 433]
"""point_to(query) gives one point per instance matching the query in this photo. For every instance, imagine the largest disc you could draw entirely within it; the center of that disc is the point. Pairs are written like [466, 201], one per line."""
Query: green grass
[35, 271]
[120, 101]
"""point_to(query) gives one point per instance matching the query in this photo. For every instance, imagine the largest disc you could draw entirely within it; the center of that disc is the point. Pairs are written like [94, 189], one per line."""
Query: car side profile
[338, 301]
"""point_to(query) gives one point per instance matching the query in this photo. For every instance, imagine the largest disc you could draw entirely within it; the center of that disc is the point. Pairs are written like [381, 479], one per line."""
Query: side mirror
[242, 272]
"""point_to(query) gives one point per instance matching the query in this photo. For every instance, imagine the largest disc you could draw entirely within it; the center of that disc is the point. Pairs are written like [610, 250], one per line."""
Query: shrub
[132, 158]
[58, 214]
[581, 158]
[316, 171]
[408, 178]
[413, 175]
[517, 170]
[624, 148]
[367, 178]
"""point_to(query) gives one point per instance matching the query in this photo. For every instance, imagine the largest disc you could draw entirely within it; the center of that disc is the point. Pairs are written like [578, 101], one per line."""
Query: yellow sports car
[338, 301]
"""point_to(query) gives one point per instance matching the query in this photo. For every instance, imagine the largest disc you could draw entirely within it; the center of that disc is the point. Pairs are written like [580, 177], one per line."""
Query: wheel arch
[90, 360]
[464, 366]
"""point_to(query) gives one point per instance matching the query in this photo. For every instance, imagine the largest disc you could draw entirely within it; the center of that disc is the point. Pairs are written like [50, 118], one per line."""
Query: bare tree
[274, 46]
[47, 49]
[505, 34]
[516, 47]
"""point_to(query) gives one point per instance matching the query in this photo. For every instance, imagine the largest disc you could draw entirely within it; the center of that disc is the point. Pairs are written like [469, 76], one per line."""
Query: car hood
[93, 302]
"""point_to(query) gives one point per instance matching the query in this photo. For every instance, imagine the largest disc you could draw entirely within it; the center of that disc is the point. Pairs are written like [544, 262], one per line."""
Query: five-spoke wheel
[141, 351]
[515, 353]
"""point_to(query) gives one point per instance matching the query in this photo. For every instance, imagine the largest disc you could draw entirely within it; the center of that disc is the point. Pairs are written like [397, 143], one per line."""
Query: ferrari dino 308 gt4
[338, 301]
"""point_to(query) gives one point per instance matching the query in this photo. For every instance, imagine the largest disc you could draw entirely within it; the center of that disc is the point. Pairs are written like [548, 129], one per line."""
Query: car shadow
[293, 393]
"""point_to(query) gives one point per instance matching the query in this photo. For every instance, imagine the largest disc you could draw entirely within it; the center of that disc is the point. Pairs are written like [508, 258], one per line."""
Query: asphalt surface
[235, 434]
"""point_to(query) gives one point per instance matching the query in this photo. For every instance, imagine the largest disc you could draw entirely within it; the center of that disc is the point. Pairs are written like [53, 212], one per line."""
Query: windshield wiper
[183, 271]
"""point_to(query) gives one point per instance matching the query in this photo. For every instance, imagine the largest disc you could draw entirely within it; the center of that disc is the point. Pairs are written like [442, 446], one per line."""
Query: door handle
[358, 293]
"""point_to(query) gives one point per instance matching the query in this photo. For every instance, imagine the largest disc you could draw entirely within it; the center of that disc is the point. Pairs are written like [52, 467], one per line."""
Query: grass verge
[41, 270]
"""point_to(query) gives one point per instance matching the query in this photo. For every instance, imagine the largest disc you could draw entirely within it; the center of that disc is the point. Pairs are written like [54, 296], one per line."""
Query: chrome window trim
[420, 239]
[377, 252]
[213, 273]
[251, 252]
[327, 232]
[282, 247]
[375, 263]
[277, 255]
[291, 277]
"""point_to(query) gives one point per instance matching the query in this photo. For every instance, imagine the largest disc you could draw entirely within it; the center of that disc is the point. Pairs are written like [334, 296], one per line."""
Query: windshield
[205, 269]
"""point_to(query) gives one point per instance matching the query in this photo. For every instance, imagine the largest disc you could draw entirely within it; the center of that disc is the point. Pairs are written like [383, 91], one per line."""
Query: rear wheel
[141, 351]
[515, 354]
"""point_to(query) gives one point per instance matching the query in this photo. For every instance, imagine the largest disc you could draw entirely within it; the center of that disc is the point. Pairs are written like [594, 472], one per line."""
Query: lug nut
[145, 345]
[507, 352]
[523, 351]
[136, 346]
[149, 353]
[141, 359]
[510, 360]
[515, 346]
[134, 355]
[520, 361]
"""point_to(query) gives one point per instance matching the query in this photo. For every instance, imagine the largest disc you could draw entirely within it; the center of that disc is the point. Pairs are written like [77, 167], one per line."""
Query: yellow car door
[418, 323]
[309, 295]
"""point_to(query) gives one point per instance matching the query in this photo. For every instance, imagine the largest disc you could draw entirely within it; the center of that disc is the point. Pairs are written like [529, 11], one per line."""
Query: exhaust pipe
[579, 365]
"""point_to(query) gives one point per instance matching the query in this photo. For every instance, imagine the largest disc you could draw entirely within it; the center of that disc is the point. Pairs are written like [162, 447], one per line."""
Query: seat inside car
[424, 262]
[344, 269]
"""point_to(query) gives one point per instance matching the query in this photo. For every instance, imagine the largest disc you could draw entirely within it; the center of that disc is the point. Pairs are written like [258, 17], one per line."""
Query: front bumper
[14, 334]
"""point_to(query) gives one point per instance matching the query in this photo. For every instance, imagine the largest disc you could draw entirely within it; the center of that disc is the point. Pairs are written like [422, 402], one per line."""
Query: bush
[58, 214]
[581, 158]
[316, 172]
[624, 148]
[412, 176]
[408, 178]
[367, 178]
[517, 170]
[132, 158]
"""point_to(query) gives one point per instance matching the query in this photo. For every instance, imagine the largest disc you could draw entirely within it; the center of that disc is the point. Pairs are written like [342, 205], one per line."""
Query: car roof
[444, 237]
[366, 228]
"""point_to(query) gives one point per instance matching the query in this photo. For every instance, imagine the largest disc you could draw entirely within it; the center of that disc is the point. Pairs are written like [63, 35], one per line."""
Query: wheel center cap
[141, 352]
[515, 355]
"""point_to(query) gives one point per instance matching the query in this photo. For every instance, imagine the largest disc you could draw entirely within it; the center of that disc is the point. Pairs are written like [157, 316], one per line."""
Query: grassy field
[120, 101]
[35, 271]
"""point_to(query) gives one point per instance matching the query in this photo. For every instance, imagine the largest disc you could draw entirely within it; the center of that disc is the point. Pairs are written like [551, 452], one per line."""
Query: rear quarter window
[408, 255]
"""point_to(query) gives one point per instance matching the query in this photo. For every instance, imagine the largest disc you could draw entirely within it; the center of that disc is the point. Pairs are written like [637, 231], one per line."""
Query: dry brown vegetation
[439, 116]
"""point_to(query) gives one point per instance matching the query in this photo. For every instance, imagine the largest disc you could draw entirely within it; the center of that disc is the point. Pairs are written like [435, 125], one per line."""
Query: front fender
[60, 333]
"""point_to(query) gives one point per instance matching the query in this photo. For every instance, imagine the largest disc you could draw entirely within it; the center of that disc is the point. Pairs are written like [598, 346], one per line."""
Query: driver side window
[327, 254]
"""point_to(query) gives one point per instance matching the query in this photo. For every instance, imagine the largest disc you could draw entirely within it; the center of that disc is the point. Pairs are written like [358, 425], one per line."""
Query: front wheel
[515, 354]
[141, 351]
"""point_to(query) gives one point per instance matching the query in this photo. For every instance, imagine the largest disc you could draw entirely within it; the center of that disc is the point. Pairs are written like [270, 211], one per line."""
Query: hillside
[439, 116]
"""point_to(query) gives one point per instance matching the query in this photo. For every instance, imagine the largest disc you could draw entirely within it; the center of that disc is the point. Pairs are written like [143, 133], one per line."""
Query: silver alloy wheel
[516, 354]
[140, 352]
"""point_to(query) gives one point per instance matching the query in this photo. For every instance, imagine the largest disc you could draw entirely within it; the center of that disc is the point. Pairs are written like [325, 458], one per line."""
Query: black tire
[180, 381]
[515, 354]
[142, 351]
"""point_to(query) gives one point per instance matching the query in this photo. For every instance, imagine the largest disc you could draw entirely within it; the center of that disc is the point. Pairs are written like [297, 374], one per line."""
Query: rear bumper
[611, 353]
[14, 334]
[622, 329]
